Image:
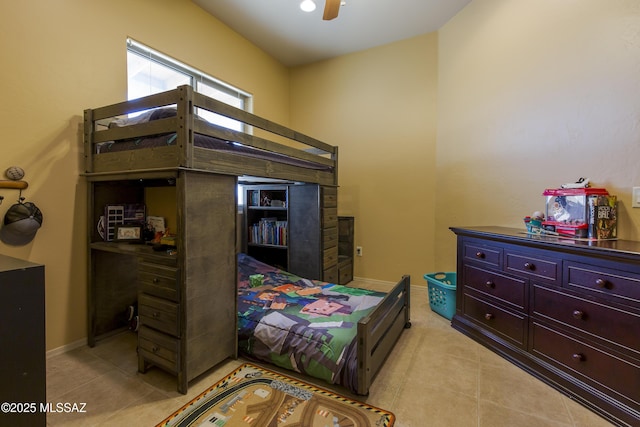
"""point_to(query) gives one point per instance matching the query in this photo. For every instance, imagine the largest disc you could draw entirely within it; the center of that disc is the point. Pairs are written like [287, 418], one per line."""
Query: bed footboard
[378, 332]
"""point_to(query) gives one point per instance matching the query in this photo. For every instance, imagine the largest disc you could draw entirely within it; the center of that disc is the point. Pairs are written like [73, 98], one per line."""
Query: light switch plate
[635, 197]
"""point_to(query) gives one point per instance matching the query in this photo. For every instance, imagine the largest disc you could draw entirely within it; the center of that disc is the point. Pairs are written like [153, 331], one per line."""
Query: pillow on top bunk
[147, 116]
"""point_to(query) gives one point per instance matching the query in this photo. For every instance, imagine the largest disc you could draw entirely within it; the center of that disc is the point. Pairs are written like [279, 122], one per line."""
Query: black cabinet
[22, 353]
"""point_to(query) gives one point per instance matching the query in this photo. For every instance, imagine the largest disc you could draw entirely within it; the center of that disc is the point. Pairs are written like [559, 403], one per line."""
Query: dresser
[567, 311]
[22, 354]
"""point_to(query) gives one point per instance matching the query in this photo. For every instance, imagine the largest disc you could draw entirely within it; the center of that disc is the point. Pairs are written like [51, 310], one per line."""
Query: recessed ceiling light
[308, 5]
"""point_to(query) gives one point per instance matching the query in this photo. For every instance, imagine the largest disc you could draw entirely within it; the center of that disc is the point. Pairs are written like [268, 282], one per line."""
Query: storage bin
[442, 293]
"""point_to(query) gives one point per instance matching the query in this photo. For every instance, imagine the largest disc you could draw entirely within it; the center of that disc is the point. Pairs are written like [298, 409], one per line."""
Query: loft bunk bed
[185, 326]
[175, 136]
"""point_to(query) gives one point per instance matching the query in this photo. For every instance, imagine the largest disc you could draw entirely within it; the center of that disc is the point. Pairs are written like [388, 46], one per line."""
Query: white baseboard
[68, 347]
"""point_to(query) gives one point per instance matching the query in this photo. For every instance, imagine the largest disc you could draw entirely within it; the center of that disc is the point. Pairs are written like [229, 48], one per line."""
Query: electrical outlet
[635, 197]
[359, 250]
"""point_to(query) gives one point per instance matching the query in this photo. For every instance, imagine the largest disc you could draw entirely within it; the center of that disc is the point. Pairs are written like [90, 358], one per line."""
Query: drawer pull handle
[529, 266]
[490, 284]
[578, 314]
[578, 357]
[155, 349]
[155, 280]
[601, 283]
[489, 316]
[480, 255]
[155, 314]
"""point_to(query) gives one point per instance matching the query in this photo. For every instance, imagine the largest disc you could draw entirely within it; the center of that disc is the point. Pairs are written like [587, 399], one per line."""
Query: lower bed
[336, 333]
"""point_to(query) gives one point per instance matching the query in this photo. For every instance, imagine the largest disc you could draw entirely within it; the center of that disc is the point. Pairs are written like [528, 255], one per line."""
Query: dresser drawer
[159, 280]
[534, 265]
[507, 289]
[330, 237]
[159, 314]
[159, 349]
[507, 324]
[330, 218]
[618, 326]
[331, 274]
[604, 281]
[483, 254]
[330, 257]
[345, 270]
[329, 197]
[594, 365]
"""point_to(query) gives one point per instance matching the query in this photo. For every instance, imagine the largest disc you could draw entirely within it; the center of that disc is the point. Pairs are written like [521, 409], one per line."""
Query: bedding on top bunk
[299, 324]
[199, 140]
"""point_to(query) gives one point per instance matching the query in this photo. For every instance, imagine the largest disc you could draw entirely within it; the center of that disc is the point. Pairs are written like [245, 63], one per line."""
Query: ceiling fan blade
[331, 8]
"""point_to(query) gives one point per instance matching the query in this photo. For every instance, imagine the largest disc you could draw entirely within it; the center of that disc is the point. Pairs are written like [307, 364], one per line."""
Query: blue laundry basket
[442, 293]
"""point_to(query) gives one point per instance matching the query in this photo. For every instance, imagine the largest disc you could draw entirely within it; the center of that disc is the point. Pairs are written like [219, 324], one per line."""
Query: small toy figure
[580, 183]
[537, 216]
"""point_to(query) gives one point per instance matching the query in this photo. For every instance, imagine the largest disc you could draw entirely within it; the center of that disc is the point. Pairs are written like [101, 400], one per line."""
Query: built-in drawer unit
[331, 275]
[345, 270]
[329, 226]
[159, 314]
[346, 248]
[330, 256]
[159, 280]
[330, 237]
[565, 310]
[329, 197]
[158, 348]
[329, 218]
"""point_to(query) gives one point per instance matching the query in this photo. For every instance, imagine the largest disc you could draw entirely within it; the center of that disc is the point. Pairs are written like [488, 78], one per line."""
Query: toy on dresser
[576, 210]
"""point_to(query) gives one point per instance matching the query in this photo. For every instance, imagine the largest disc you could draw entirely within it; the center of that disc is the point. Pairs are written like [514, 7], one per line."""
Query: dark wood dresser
[565, 310]
[22, 353]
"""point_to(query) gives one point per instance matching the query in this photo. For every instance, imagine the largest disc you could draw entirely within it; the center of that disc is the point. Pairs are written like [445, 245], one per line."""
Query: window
[149, 72]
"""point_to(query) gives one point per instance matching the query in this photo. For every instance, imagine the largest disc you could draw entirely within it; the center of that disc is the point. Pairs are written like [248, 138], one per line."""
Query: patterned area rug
[257, 397]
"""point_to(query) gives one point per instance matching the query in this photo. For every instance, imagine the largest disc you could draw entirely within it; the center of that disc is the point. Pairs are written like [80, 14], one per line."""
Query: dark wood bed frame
[379, 331]
[376, 334]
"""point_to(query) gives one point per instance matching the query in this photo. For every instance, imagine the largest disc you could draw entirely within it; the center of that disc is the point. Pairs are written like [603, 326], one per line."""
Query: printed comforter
[299, 324]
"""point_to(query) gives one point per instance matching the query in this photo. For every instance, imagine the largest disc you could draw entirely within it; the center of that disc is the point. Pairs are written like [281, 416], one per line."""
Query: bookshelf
[267, 225]
[293, 227]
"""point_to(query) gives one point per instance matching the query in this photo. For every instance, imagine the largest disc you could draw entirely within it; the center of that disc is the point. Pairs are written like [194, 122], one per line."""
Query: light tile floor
[435, 376]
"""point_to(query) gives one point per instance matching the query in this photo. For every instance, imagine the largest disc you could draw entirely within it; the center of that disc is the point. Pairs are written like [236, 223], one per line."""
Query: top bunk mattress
[199, 140]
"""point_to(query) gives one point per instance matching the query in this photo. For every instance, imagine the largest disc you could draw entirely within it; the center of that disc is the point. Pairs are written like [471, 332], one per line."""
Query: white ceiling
[295, 37]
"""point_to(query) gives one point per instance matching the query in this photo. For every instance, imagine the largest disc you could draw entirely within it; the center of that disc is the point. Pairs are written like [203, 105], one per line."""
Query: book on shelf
[268, 231]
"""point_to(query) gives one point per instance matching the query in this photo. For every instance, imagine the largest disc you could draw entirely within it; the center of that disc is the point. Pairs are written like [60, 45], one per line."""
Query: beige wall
[528, 94]
[379, 107]
[531, 95]
[60, 57]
